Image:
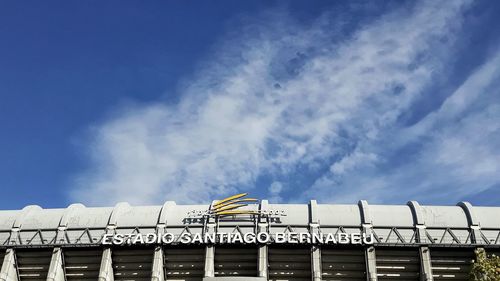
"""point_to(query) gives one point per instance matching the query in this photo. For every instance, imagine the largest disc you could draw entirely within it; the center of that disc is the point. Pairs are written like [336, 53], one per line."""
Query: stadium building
[233, 240]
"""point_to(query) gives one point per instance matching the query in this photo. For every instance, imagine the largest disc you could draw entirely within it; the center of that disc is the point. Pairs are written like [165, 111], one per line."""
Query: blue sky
[191, 100]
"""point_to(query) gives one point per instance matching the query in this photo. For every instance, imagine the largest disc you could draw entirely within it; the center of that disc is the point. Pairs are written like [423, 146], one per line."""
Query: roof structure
[413, 223]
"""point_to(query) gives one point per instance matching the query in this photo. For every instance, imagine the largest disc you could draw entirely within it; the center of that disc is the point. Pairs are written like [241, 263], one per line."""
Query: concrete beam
[263, 226]
[115, 214]
[474, 224]
[210, 226]
[425, 264]
[56, 268]
[9, 270]
[209, 261]
[63, 222]
[15, 239]
[419, 223]
[314, 228]
[371, 264]
[157, 273]
[316, 262]
[263, 261]
[106, 270]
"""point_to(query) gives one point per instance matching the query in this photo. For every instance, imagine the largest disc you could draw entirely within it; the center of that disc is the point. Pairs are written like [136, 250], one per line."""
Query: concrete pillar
[263, 261]
[106, 270]
[425, 264]
[209, 261]
[314, 228]
[263, 226]
[9, 271]
[367, 229]
[419, 223]
[316, 262]
[371, 264]
[63, 223]
[56, 268]
[157, 271]
[474, 224]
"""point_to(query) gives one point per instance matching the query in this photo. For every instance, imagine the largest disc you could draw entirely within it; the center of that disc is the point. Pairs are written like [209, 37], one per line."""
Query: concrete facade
[412, 242]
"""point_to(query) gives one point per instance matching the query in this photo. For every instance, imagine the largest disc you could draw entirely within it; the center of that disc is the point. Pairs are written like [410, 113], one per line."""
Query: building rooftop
[390, 224]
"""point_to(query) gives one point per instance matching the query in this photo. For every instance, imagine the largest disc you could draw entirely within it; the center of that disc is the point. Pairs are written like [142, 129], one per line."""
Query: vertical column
[210, 227]
[263, 260]
[421, 238]
[371, 264]
[425, 264]
[157, 271]
[315, 250]
[367, 228]
[106, 270]
[316, 262]
[9, 271]
[263, 226]
[209, 261]
[56, 268]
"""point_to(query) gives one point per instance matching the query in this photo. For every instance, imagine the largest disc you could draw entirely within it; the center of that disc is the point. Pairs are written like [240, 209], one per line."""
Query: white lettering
[237, 238]
[246, 238]
[249, 238]
[186, 238]
[167, 238]
[355, 238]
[343, 238]
[368, 241]
[330, 239]
[280, 237]
[263, 238]
[107, 239]
[197, 238]
[317, 238]
[305, 237]
[151, 238]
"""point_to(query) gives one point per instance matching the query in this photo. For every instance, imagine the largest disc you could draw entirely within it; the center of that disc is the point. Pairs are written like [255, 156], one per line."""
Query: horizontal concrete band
[462, 224]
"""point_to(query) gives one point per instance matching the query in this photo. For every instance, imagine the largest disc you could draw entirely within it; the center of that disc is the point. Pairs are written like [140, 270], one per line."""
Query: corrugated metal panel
[184, 264]
[132, 264]
[33, 264]
[343, 264]
[400, 265]
[235, 261]
[82, 264]
[451, 265]
[290, 264]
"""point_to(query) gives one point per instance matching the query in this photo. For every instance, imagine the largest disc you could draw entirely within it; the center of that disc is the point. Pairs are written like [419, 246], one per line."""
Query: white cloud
[275, 189]
[285, 100]
[458, 154]
[351, 162]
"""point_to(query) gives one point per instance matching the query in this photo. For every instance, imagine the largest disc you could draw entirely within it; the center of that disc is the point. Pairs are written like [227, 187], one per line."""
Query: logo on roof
[233, 205]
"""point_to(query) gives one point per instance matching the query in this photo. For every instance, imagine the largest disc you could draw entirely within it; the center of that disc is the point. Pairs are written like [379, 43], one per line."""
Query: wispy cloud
[287, 100]
[450, 154]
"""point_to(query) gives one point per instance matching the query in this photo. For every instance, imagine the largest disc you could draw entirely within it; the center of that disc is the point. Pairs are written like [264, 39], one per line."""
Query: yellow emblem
[230, 205]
